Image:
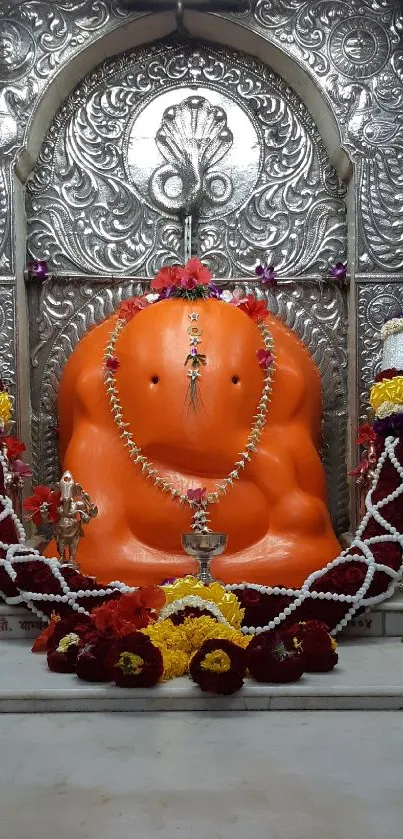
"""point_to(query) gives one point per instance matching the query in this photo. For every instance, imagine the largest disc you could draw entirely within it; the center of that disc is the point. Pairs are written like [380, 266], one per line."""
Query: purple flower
[214, 291]
[389, 425]
[165, 293]
[193, 351]
[38, 269]
[338, 272]
[395, 313]
[266, 274]
[21, 469]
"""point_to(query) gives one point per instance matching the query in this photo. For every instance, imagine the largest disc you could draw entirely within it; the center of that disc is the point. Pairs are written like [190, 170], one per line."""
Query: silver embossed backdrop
[154, 136]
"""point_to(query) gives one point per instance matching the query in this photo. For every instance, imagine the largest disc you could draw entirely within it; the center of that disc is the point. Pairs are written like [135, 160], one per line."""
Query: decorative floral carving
[257, 174]
[7, 337]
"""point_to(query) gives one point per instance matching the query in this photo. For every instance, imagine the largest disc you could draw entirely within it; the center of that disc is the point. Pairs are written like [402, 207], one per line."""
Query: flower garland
[129, 642]
[186, 282]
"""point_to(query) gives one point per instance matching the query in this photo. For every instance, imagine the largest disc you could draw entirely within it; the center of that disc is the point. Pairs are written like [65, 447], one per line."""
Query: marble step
[369, 677]
[384, 620]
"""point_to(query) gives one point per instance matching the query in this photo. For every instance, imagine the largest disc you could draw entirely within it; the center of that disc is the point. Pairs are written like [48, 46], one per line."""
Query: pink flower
[265, 358]
[198, 495]
[238, 297]
[112, 363]
[21, 469]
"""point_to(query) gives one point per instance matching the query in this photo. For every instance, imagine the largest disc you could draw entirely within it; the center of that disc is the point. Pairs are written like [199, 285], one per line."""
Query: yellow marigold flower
[201, 629]
[226, 601]
[176, 663]
[216, 662]
[166, 634]
[5, 407]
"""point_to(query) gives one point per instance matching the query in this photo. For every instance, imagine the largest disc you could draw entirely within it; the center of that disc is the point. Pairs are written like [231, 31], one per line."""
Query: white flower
[227, 296]
[391, 327]
[152, 297]
[386, 409]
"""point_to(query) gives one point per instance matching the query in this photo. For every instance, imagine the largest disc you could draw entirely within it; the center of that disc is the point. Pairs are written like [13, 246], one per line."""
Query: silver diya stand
[204, 546]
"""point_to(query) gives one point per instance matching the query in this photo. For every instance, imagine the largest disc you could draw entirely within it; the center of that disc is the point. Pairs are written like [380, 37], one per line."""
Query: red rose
[92, 659]
[36, 576]
[346, 578]
[273, 657]
[318, 646]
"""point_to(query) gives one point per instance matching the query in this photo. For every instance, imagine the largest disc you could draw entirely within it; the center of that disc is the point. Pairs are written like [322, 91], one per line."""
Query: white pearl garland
[20, 553]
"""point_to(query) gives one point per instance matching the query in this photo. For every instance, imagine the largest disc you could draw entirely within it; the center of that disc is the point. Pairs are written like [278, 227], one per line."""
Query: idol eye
[155, 379]
[235, 380]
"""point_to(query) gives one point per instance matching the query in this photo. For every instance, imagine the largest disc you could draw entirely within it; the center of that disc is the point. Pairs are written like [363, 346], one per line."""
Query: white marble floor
[284, 775]
[369, 676]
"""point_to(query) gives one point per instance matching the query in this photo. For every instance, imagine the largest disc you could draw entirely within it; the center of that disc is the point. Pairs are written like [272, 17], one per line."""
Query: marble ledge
[369, 677]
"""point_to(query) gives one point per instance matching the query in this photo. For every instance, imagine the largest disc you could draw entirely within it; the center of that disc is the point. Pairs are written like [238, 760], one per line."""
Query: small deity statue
[75, 509]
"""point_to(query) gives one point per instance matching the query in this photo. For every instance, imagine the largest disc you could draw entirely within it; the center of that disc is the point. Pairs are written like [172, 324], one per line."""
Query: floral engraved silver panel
[6, 195]
[36, 39]
[171, 130]
[355, 52]
[376, 301]
[8, 337]
[65, 310]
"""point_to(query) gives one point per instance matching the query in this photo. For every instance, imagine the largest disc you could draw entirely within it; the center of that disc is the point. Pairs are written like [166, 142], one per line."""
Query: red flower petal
[198, 272]
[255, 309]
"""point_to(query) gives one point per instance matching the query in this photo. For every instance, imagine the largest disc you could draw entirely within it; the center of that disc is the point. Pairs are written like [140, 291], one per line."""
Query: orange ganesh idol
[195, 412]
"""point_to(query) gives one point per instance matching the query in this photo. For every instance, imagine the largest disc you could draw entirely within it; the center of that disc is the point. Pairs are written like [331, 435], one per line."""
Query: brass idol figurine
[76, 509]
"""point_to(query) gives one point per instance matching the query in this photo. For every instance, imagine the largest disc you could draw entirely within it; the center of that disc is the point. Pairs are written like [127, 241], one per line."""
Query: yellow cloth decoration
[216, 662]
[5, 408]
[388, 390]
[226, 601]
